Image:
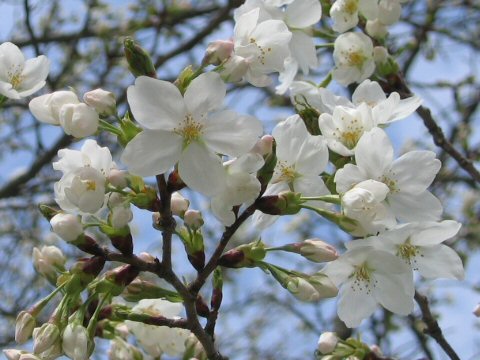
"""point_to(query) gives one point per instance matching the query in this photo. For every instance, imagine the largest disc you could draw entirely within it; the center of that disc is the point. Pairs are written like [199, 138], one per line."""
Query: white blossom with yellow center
[189, 130]
[19, 77]
[407, 177]
[366, 277]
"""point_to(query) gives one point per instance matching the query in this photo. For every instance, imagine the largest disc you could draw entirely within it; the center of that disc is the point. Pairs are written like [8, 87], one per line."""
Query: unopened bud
[103, 101]
[193, 219]
[285, 203]
[79, 120]
[118, 178]
[327, 342]
[376, 29]
[146, 257]
[45, 337]
[76, 343]
[264, 146]
[234, 68]
[139, 61]
[201, 307]
[179, 204]
[316, 250]
[13, 354]
[48, 212]
[247, 255]
[47, 260]
[217, 52]
[380, 55]
[476, 311]
[376, 350]
[67, 226]
[115, 281]
[24, 326]
[88, 268]
[120, 216]
[140, 289]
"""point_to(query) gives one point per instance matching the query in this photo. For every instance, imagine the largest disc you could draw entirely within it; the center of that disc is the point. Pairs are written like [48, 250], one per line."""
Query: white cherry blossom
[79, 120]
[367, 276]
[301, 158]
[408, 197]
[19, 77]
[263, 46]
[46, 108]
[353, 56]
[82, 186]
[183, 129]
[420, 246]
[344, 13]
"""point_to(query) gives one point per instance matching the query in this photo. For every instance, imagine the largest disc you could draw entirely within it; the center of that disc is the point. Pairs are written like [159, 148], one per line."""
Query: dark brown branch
[432, 326]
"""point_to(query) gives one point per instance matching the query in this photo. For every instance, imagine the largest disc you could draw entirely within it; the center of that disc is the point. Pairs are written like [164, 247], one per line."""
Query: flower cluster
[333, 158]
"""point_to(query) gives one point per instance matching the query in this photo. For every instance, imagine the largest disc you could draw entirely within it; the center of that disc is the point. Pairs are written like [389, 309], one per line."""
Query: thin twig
[432, 326]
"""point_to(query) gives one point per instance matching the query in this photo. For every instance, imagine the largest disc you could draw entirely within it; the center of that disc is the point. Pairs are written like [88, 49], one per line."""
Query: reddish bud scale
[197, 260]
[175, 182]
[269, 205]
[92, 266]
[123, 275]
[216, 301]
[123, 243]
[89, 245]
[202, 307]
[232, 259]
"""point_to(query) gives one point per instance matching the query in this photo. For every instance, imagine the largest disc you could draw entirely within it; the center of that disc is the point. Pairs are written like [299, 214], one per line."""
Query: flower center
[191, 130]
[350, 7]
[363, 279]
[391, 183]
[263, 52]
[90, 185]
[14, 74]
[287, 172]
[408, 252]
[356, 58]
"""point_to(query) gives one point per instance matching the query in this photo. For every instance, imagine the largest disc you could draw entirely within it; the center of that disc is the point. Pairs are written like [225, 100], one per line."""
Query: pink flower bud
[179, 204]
[317, 250]
[24, 326]
[193, 219]
[67, 226]
[217, 52]
[264, 145]
[327, 342]
[103, 101]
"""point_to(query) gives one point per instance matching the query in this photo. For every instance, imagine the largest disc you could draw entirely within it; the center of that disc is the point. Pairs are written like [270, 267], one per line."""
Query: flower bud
[376, 29]
[46, 108]
[79, 120]
[246, 255]
[327, 342]
[139, 61]
[140, 289]
[476, 311]
[217, 52]
[146, 257]
[67, 226]
[13, 354]
[302, 289]
[380, 55]
[45, 337]
[264, 146]
[76, 343]
[47, 259]
[103, 101]
[121, 216]
[285, 203]
[317, 250]
[193, 219]
[118, 178]
[24, 326]
[179, 204]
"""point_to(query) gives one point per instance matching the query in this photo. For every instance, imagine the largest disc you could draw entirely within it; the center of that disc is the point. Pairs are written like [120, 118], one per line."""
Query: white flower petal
[303, 13]
[347, 177]
[354, 306]
[303, 50]
[439, 261]
[204, 94]
[369, 92]
[229, 133]
[420, 207]
[434, 233]
[374, 153]
[152, 152]
[391, 293]
[201, 169]
[156, 104]
[405, 171]
[34, 74]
